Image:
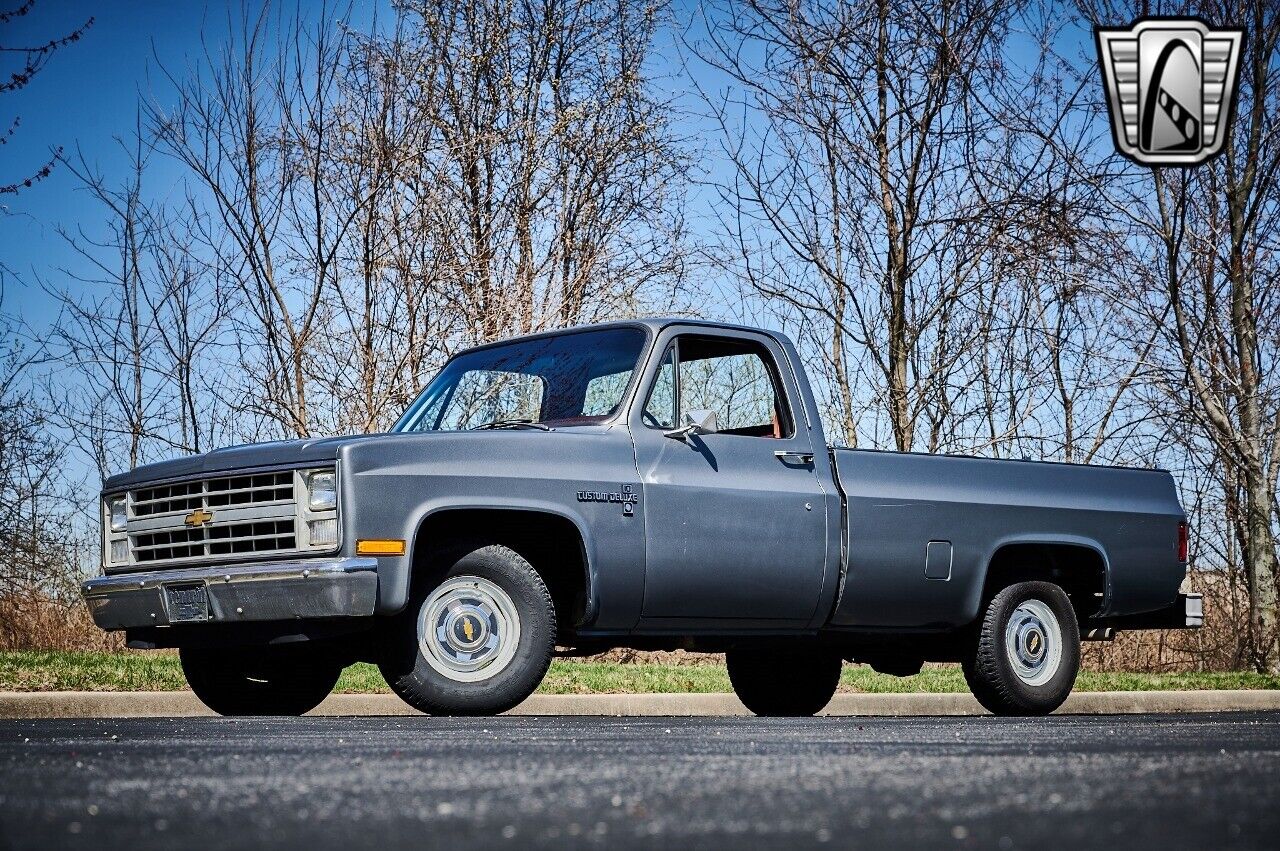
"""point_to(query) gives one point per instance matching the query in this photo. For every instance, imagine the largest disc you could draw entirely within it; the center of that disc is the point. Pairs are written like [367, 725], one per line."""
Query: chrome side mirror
[695, 422]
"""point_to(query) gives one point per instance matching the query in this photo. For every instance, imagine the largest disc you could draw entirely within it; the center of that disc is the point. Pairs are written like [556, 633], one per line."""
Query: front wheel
[476, 638]
[260, 680]
[1028, 651]
[784, 682]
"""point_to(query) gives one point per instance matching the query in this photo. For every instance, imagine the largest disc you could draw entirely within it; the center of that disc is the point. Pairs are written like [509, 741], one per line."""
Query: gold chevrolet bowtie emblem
[468, 628]
[199, 517]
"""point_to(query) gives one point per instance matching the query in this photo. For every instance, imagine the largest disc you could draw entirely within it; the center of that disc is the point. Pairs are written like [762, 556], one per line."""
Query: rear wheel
[784, 682]
[1027, 653]
[475, 640]
[260, 680]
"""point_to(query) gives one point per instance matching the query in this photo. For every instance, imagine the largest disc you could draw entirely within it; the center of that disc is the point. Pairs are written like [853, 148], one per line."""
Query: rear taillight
[1184, 540]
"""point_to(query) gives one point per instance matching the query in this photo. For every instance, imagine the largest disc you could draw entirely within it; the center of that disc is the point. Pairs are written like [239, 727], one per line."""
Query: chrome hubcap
[1033, 642]
[468, 629]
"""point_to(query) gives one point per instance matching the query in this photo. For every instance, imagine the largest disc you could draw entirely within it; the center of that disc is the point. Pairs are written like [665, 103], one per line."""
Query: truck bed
[1124, 519]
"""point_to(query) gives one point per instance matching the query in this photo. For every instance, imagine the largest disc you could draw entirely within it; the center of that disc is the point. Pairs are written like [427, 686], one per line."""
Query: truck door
[735, 526]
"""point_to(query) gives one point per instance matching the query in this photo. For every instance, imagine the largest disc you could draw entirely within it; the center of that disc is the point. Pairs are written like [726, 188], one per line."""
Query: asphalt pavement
[1128, 782]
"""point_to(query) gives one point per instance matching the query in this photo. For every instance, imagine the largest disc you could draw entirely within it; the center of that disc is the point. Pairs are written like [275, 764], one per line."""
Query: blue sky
[88, 95]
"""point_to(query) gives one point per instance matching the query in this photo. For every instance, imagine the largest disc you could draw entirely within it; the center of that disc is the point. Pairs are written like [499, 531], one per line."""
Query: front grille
[266, 536]
[221, 516]
[161, 546]
[249, 490]
[162, 500]
[211, 493]
[231, 539]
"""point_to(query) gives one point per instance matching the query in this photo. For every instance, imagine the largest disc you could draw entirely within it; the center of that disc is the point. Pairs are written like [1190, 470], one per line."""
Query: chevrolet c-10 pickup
[654, 484]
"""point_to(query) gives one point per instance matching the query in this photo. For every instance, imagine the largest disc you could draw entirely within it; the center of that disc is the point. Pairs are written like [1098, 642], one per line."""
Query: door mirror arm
[695, 422]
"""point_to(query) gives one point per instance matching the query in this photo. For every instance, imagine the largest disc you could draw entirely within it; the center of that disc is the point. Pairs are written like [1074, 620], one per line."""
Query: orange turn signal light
[380, 547]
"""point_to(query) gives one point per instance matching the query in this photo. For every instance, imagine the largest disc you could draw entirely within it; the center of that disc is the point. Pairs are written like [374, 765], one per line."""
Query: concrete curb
[168, 704]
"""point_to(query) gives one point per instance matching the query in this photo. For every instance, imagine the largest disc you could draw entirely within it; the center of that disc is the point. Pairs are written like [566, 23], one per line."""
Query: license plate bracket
[187, 602]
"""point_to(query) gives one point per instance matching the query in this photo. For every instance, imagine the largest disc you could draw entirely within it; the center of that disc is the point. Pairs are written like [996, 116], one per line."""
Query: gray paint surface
[727, 529]
[899, 502]
[390, 487]
[723, 535]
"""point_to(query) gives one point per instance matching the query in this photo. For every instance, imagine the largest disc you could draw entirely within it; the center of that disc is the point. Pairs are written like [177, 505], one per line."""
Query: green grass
[159, 671]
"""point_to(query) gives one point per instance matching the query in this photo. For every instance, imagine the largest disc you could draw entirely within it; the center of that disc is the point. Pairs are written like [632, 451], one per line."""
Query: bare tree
[376, 198]
[31, 59]
[1201, 270]
[853, 198]
[137, 329]
[557, 175]
[42, 555]
[253, 126]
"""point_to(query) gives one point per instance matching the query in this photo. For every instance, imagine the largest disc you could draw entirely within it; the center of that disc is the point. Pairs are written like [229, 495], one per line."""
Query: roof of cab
[654, 324]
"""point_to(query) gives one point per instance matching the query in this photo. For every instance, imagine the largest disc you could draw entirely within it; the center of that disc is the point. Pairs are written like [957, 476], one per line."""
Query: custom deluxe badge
[626, 497]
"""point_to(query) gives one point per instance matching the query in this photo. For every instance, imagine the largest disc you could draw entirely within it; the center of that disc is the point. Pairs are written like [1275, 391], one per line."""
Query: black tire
[990, 670]
[260, 680]
[431, 685]
[791, 682]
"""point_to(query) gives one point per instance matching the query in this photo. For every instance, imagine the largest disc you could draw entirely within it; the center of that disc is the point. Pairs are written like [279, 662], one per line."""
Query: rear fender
[976, 593]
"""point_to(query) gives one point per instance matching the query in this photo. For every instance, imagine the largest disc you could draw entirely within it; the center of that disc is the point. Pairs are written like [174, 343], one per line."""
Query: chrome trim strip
[300, 569]
[224, 516]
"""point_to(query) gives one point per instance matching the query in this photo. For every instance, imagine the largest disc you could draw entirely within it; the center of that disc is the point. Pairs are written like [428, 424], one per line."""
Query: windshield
[568, 379]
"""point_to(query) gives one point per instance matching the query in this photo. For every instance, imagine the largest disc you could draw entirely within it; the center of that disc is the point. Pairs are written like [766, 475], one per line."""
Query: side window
[738, 380]
[660, 410]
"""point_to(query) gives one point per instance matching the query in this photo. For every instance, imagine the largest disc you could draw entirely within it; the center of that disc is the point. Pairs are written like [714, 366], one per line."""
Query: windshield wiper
[513, 423]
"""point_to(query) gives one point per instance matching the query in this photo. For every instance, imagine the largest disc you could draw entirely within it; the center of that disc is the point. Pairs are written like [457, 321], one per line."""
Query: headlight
[118, 512]
[322, 490]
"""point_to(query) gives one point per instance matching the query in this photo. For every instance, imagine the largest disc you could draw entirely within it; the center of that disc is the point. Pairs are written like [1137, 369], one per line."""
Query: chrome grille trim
[253, 514]
[260, 536]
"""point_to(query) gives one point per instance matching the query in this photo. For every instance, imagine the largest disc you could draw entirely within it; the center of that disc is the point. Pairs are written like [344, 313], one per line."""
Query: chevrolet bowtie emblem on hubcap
[197, 518]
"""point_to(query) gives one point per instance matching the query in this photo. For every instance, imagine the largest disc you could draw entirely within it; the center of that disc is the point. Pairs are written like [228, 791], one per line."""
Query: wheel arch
[1078, 564]
[553, 540]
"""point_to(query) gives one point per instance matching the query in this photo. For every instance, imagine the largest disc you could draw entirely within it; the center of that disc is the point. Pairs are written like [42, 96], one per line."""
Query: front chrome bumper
[321, 588]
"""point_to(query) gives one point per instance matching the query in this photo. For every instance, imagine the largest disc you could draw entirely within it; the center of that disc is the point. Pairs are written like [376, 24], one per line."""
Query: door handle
[802, 457]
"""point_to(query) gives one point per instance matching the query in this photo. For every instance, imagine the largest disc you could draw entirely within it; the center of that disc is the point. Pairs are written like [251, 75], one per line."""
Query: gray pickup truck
[654, 484]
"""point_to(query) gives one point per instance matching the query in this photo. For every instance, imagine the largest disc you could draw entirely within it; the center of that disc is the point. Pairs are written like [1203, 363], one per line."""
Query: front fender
[393, 486]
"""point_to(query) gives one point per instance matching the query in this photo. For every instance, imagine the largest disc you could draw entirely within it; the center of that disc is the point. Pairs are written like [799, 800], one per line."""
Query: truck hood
[298, 453]
[278, 453]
